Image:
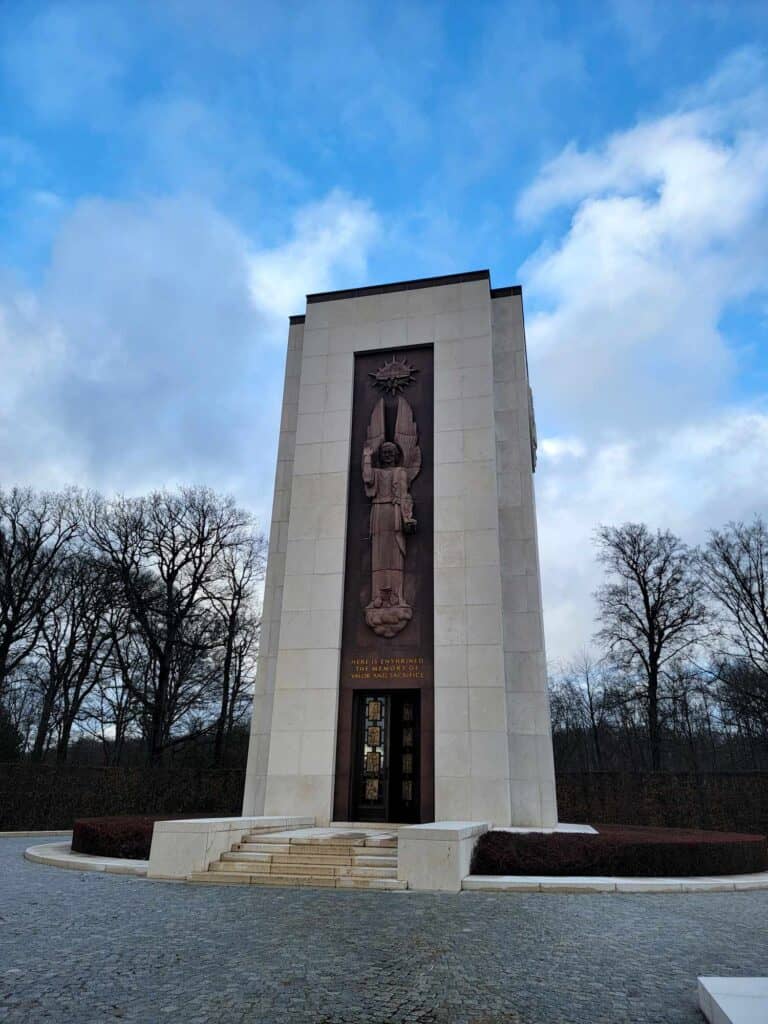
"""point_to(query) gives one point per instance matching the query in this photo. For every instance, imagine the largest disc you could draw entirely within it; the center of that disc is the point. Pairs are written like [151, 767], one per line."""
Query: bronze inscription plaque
[388, 621]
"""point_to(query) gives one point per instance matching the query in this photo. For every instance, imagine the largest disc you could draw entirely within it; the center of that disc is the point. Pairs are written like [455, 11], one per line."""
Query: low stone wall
[51, 797]
[725, 801]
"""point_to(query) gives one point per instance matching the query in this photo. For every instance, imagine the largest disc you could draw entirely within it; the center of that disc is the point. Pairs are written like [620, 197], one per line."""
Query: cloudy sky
[175, 176]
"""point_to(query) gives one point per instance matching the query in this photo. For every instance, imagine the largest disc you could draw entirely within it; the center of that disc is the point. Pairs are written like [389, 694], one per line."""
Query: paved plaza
[89, 947]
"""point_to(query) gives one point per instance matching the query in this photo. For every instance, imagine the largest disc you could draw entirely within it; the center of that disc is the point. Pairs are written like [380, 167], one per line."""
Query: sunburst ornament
[394, 376]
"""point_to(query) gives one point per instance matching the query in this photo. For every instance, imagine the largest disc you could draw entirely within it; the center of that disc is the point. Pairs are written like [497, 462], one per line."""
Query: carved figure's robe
[388, 491]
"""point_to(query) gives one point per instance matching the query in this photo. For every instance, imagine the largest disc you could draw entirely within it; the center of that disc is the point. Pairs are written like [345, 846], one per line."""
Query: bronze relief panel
[387, 634]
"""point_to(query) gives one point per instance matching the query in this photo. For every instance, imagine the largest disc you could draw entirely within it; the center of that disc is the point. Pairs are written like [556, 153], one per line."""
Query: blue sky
[175, 176]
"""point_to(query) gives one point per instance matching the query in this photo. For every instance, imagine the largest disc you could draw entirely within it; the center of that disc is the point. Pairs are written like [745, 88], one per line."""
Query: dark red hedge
[625, 850]
[129, 837]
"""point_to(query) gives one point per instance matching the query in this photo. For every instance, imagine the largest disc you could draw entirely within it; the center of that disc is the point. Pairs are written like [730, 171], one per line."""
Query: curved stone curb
[60, 855]
[574, 884]
[24, 833]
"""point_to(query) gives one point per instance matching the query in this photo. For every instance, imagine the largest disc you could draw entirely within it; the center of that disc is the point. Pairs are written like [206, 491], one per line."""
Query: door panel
[385, 775]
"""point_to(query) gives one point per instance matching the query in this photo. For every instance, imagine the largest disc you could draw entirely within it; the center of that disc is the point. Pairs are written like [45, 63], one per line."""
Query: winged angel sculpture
[389, 469]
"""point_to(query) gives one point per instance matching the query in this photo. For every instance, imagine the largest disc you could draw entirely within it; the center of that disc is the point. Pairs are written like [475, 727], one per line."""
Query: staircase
[331, 858]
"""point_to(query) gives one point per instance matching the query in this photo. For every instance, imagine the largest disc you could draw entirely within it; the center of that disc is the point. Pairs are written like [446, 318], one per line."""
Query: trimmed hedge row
[726, 801]
[620, 850]
[53, 796]
[115, 837]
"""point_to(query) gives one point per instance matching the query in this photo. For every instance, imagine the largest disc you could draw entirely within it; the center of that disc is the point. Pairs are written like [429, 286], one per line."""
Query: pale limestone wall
[261, 720]
[471, 758]
[531, 767]
[489, 675]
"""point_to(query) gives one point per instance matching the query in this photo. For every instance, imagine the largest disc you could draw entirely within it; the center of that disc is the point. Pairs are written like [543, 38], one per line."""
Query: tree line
[679, 680]
[132, 621]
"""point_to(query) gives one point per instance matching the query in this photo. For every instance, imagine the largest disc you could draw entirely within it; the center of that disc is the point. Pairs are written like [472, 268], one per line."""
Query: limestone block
[484, 624]
[449, 512]
[450, 586]
[335, 426]
[449, 416]
[450, 666]
[436, 857]
[393, 333]
[284, 753]
[487, 708]
[489, 799]
[452, 709]
[447, 328]
[525, 803]
[450, 625]
[452, 796]
[481, 547]
[317, 750]
[312, 398]
[483, 584]
[485, 665]
[420, 330]
[452, 758]
[449, 548]
[489, 754]
[449, 446]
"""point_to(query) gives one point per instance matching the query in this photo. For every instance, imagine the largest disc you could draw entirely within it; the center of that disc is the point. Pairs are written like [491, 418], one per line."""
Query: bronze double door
[385, 768]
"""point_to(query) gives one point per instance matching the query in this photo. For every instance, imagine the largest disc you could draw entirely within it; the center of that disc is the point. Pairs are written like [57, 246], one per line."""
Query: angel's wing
[407, 437]
[375, 436]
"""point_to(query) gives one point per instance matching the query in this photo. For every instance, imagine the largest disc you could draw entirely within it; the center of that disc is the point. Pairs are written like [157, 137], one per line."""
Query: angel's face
[388, 454]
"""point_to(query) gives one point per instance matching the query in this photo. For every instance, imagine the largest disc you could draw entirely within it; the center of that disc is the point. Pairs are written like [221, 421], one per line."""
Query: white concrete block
[436, 857]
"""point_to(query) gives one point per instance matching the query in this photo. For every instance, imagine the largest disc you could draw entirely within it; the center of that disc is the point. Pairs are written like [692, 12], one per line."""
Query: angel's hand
[367, 451]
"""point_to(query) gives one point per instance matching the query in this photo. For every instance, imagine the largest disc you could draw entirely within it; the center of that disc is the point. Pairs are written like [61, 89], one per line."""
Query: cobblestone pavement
[90, 947]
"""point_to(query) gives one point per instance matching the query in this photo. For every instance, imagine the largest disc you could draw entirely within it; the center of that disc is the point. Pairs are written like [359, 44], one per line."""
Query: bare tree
[34, 531]
[652, 609]
[165, 550]
[734, 566]
[231, 595]
[73, 647]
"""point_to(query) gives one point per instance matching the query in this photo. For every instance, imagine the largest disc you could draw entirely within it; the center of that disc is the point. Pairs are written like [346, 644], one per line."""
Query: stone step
[220, 877]
[362, 860]
[363, 872]
[262, 848]
[256, 868]
[331, 839]
[246, 855]
[371, 883]
[375, 851]
[320, 881]
[300, 868]
[365, 860]
[278, 839]
[324, 850]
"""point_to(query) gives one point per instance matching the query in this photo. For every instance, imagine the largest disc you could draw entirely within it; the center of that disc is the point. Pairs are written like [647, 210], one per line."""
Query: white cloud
[152, 352]
[627, 348]
[330, 237]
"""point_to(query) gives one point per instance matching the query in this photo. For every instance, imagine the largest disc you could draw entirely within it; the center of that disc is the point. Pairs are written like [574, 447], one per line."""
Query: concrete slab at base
[180, 848]
[436, 857]
[595, 883]
[734, 1000]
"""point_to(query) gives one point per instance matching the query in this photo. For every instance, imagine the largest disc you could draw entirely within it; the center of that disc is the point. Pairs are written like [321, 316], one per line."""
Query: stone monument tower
[402, 672]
